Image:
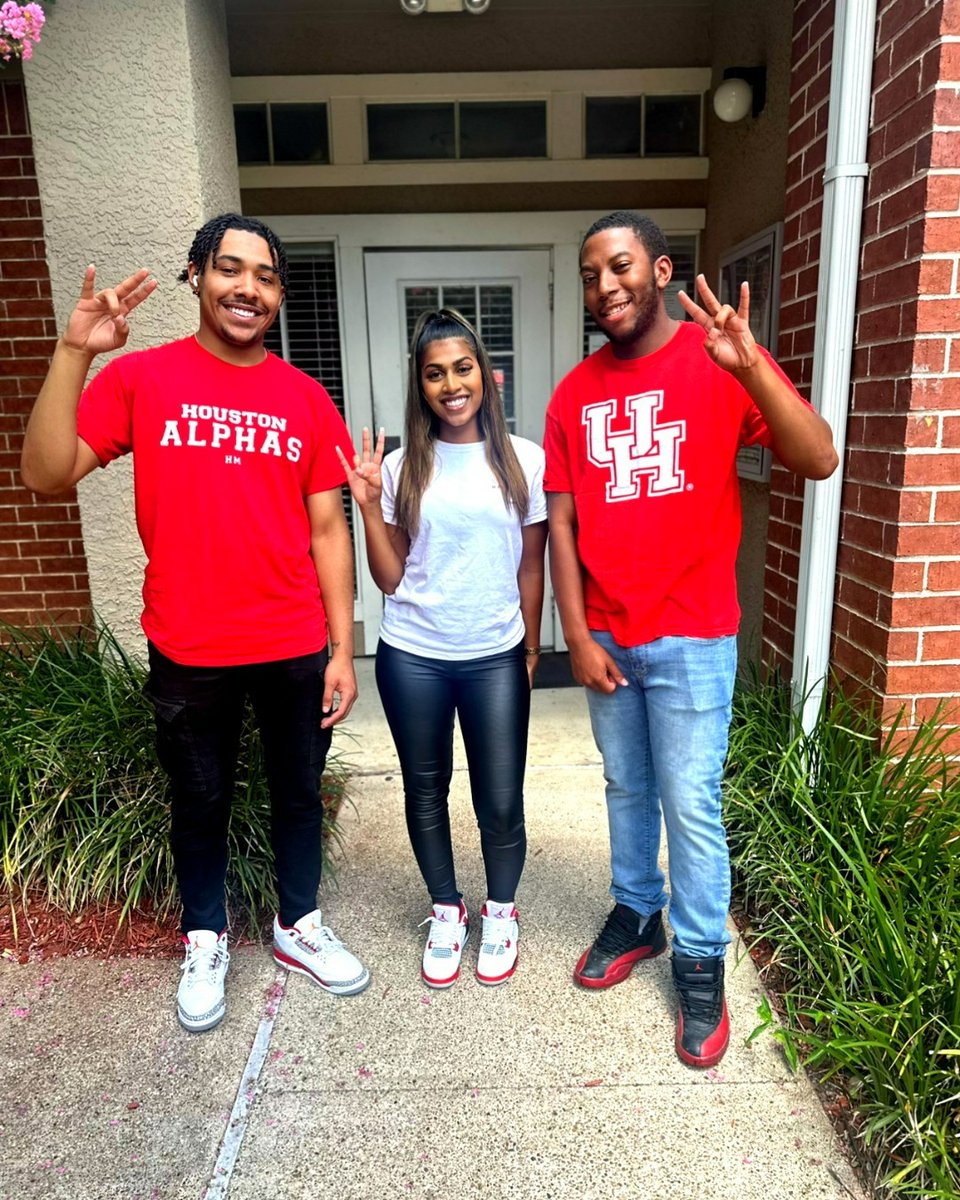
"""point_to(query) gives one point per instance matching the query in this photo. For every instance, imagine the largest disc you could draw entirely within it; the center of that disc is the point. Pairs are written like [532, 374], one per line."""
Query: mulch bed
[32, 931]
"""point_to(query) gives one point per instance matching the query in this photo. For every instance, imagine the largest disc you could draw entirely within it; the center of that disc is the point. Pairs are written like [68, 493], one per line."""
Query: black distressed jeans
[492, 698]
[199, 713]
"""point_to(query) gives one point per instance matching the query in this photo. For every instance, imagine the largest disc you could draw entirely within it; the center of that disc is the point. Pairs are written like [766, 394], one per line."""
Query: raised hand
[728, 339]
[99, 322]
[364, 478]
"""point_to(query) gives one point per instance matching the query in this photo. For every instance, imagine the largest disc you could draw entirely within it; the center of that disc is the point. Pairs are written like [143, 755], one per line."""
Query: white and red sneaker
[448, 934]
[312, 949]
[497, 960]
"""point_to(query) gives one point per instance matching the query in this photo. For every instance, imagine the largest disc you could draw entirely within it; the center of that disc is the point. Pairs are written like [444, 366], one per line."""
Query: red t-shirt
[647, 447]
[224, 458]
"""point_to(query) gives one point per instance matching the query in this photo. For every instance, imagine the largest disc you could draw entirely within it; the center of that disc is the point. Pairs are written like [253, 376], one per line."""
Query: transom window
[643, 126]
[281, 133]
[457, 129]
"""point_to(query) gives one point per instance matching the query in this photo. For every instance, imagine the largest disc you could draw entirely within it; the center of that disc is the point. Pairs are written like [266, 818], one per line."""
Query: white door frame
[352, 234]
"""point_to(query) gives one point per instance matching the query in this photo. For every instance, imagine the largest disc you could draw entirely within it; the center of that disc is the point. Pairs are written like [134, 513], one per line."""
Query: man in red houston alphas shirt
[641, 444]
[248, 588]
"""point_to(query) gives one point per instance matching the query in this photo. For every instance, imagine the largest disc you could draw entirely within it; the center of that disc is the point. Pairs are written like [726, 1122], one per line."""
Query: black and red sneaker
[703, 1026]
[624, 940]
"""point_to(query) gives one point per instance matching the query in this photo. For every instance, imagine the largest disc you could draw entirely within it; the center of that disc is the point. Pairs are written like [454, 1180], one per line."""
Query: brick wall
[924, 69]
[803, 213]
[43, 571]
[897, 611]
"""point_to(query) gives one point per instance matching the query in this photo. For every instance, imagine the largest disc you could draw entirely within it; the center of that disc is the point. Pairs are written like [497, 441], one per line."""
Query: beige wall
[132, 157]
[748, 163]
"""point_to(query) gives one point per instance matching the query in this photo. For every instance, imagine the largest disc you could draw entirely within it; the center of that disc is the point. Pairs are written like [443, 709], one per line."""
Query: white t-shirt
[459, 596]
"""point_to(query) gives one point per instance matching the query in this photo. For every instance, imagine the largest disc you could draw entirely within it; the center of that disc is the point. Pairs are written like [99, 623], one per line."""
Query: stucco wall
[133, 135]
[746, 193]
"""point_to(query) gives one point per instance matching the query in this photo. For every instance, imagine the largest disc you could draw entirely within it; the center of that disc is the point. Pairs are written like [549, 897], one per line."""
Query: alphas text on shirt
[231, 429]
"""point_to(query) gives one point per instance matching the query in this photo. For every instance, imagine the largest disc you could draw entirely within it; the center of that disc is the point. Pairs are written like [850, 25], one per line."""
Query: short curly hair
[207, 239]
[647, 231]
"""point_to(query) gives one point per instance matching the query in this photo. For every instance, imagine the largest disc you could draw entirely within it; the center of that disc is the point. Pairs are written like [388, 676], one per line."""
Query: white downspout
[846, 169]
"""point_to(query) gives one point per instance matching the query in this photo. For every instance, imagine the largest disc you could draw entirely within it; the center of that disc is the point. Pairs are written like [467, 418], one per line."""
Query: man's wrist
[750, 371]
[580, 638]
[77, 352]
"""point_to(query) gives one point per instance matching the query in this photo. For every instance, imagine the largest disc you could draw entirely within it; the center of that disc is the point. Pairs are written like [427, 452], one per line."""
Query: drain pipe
[846, 169]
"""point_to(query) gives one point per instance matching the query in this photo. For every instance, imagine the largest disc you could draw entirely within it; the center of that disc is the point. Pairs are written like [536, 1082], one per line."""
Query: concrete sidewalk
[537, 1088]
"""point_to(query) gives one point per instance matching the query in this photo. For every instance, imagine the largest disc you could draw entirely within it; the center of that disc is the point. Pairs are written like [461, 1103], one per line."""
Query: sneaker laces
[318, 938]
[700, 1001]
[202, 963]
[495, 934]
[618, 936]
[443, 937]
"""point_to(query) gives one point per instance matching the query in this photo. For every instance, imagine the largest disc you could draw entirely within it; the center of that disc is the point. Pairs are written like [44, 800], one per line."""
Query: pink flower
[20, 27]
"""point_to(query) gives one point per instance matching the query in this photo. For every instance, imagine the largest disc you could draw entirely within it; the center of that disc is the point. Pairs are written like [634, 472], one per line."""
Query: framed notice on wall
[756, 260]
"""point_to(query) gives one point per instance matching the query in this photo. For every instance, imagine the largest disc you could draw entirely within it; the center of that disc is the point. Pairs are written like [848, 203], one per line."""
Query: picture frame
[756, 260]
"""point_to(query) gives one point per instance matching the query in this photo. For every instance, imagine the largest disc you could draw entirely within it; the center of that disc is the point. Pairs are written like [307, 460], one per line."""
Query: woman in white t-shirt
[455, 525]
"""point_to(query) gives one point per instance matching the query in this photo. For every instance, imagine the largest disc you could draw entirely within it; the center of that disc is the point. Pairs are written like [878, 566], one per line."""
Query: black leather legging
[492, 698]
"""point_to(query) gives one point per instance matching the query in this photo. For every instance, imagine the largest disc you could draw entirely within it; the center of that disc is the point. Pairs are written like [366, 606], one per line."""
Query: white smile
[455, 403]
[614, 310]
[242, 314]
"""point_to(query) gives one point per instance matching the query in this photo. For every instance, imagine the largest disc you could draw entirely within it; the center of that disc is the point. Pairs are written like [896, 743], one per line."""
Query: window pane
[503, 374]
[672, 125]
[300, 133]
[250, 123]
[503, 129]
[613, 126]
[757, 270]
[463, 299]
[418, 300]
[496, 317]
[406, 131]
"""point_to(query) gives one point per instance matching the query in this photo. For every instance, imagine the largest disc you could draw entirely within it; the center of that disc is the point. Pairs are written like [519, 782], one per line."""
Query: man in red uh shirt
[248, 589]
[641, 445]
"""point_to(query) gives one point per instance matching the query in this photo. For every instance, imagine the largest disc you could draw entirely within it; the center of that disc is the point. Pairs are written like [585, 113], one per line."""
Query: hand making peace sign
[728, 341]
[364, 478]
[99, 322]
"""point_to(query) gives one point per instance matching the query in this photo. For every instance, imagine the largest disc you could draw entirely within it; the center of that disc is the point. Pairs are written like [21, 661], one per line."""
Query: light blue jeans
[664, 740]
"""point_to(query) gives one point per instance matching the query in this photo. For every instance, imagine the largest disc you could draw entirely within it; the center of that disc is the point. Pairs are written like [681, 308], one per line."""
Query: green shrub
[845, 855]
[83, 814]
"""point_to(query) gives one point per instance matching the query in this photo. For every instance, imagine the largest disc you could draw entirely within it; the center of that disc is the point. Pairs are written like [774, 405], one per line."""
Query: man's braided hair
[208, 237]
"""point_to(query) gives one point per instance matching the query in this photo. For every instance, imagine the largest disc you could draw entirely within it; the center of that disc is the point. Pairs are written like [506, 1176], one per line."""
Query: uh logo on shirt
[644, 448]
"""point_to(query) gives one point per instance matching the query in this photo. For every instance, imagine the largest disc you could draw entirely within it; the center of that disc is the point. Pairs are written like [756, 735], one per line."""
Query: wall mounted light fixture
[744, 90]
[413, 8]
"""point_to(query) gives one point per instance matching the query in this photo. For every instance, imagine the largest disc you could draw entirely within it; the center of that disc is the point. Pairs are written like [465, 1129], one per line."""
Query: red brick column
[897, 611]
[43, 570]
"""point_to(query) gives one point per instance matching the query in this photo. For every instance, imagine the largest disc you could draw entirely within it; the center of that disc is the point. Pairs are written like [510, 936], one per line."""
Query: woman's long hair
[421, 425]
